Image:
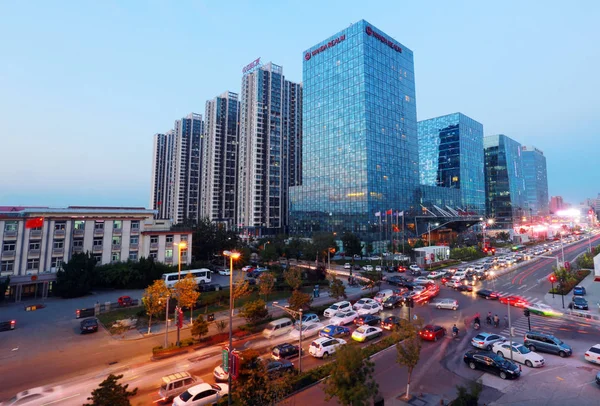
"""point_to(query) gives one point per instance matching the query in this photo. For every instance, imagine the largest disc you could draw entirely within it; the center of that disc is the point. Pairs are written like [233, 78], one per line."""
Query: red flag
[34, 223]
[389, 212]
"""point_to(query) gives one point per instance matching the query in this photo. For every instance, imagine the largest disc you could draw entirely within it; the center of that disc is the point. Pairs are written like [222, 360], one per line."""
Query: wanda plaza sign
[383, 39]
[324, 47]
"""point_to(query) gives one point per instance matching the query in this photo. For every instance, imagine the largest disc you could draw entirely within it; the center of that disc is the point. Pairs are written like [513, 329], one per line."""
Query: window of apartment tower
[33, 264]
[135, 224]
[7, 266]
[116, 256]
[58, 245]
[77, 243]
[99, 225]
[97, 242]
[153, 239]
[79, 225]
[56, 262]
[98, 258]
[168, 253]
[11, 226]
[153, 254]
[169, 239]
[8, 246]
[133, 256]
[117, 224]
[34, 246]
[59, 225]
[134, 239]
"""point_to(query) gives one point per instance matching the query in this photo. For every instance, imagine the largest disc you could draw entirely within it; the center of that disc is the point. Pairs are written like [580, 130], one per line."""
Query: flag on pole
[389, 212]
[401, 213]
[378, 214]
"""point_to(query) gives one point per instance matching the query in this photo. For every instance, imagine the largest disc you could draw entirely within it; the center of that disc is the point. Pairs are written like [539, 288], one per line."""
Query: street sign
[567, 265]
[226, 359]
[235, 365]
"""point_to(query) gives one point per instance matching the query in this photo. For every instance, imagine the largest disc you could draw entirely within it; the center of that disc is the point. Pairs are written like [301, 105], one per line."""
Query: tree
[324, 243]
[241, 289]
[466, 398]
[408, 351]
[254, 311]
[419, 244]
[294, 248]
[212, 238]
[200, 327]
[76, 277]
[351, 380]
[374, 279]
[111, 393]
[503, 235]
[155, 299]
[293, 277]
[186, 292]
[3, 287]
[352, 245]
[266, 282]
[255, 386]
[299, 300]
[337, 289]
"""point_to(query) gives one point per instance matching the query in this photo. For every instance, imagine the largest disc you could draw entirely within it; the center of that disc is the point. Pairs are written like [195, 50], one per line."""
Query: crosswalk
[530, 299]
[550, 325]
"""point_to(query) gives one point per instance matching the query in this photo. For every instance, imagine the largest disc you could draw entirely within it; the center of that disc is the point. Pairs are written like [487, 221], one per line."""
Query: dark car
[401, 268]
[464, 288]
[579, 303]
[280, 367]
[368, 319]
[489, 362]
[488, 294]
[414, 272]
[334, 331]
[598, 378]
[284, 351]
[432, 332]
[390, 322]
[8, 325]
[392, 302]
[89, 325]
[208, 287]
[395, 280]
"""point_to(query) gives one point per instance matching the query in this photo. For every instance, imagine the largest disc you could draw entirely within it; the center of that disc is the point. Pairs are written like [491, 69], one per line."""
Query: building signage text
[251, 66]
[322, 48]
[383, 39]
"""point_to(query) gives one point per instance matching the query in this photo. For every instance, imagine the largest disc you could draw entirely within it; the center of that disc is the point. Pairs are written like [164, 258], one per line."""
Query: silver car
[450, 304]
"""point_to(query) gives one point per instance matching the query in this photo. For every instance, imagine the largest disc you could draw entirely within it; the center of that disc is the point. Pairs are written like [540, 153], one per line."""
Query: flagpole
[380, 229]
[403, 237]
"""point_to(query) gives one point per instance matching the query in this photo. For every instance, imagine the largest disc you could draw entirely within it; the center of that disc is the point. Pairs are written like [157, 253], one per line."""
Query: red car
[401, 269]
[516, 301]
[125, 301]
[432, 332]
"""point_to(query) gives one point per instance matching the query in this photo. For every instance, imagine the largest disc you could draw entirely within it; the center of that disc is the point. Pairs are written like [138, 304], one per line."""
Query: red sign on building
[251, 66]
[383, 39]
[324, 47]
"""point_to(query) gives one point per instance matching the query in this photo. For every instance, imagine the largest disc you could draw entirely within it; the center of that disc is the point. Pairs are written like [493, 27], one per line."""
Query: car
[393, 301]
[432, 332]
[325, 346]
[332, 331]
[414, 267]
[395, 280]
[579, 290]
[450, 304]
[520, 354]
[486, 340]
[125, 301]
[368, 268]
[365, 333]
[363, 302]
[390, 322]
[174, 384]
[248, 268]
[307, 330]
[202, 394]
[309, 318]
[89, 325]
[435, 275]
[514, 300]
[285, 351]
[224, 272]
[401, 268]
[543, 310]
[367, 319]
[378, 268]
[209, 287]
[347, 265]
[470, 280]
[43, 395]
[374, 258]
[593, 354]
[341, 318]
[465, 288]
[339, 307]
[490, 362]
[421, 280]
[280, 367]
[454, 283]
[488, 294]
[579, 303]
[372, 308]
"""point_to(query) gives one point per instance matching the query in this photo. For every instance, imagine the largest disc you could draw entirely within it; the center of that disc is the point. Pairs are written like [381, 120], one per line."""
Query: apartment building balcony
[169, 260]
[78, 232]
[10, 235]
[97, 249]
[116, 247]
[58, 252]
[117, 231]
[8, 255]
[134, 247]
[77, 250]
[33, 253]
[98, 232]
[153, 246]
[134, 231]
[35, 234]
[59, 234]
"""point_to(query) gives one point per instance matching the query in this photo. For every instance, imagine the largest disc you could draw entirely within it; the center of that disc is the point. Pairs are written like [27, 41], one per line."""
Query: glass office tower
[504, 181]
[451, 156]
[360, 146]
[536, 181]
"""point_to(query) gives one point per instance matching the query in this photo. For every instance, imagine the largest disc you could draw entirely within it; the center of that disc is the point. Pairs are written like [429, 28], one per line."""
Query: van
[382, 295]
[175, 384]
[536, 341]
[278, 327]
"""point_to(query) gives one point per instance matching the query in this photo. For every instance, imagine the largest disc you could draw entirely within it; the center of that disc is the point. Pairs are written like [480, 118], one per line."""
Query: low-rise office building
[36, 241]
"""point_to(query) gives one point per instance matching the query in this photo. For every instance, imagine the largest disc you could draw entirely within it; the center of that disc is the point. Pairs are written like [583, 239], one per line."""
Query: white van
[383, 294]
[278, 327]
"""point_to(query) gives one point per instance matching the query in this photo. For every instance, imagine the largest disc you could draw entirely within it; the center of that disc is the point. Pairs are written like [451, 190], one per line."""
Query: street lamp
[485, 224]
[552, 281]
[295, 314]
[429, 231]
[232, 255]
[562, 247]
[181, 246]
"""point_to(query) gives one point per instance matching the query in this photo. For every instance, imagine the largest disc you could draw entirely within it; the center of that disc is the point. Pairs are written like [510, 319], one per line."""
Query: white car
[36, 396]
[347, 265]
[368, 268]
[520, 354]
[364, 333]
[414, 267]
[421, 280]
[307, 330]
[450, 304]
[453, 283]
[378, 268]
[362, 302]
[341, 319]
[224, 272]
[593, 354]
[434, 275]
[203, 394]
[372, 308]
[325, 346]
[339, 307]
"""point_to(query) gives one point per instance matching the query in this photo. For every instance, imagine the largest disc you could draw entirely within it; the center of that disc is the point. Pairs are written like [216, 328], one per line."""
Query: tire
[562, 354]
[529, 364]
[532, 348]
[454, 308]
[502, 375]
[325, 355]
[500, 353]
[488, 348]
[472, 366]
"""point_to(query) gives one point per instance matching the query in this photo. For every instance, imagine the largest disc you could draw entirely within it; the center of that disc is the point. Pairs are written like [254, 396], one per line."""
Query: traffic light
[493, 251]
[526, 312]
[552, 278]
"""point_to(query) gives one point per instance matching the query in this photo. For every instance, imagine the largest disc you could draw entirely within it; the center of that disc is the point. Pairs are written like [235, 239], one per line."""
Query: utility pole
[510, 330]
[295, 314]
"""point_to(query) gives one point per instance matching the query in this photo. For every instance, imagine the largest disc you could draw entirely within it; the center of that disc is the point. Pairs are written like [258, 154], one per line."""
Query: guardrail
[100, 308]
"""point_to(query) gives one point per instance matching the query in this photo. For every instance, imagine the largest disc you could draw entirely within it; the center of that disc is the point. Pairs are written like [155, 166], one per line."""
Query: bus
[518, 248]
[202, 275]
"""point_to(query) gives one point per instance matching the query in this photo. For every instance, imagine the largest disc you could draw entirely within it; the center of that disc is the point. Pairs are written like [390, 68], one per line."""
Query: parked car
[309, 318]
[89, 325]
[174, 384]
[450, 304]
[332, 331]
[367, 319]
[339, 307]
[308, 330]
[125, 301]
[372, 308]
[209, 287]
[365, 333]
[363, 302]
[490, 362]
[537, 341]
[368, 268]
[285, 351]
[578, 303]
[341, 318]
[278, 368]
[202, 394]
[393, 301]
[520, 353]
[347, 265]
[579, 291]
[593, 354]
[390, 322]
[325, 346]
[224, 272]
[486, 340]
[488, 294]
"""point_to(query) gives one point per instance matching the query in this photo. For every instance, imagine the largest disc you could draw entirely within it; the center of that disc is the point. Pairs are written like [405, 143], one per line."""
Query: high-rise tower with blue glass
[360, 147]
[536, 181]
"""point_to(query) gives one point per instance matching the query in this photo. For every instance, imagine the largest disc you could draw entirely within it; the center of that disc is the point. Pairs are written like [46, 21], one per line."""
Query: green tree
[374, 279]
[254, 311]
[351, 380]
[266, 282]
[324, 243]
[155, 299]
[76, 277]
[3, 287]
[294, 248]
[200, 327]
[468, 398]
[352, 245]
[111, 393]
[419, 244]
[293, 277]
[212, 238]
[337, 289]
[408, 351]
[255, 386]
[186, 292]
[503, 235]
[299, 300]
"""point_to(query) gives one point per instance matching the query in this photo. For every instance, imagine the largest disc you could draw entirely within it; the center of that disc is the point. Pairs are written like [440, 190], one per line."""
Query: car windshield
[361, 301]
[479, 337]
[579, 299]
[522, 349]
[185, 396]
[339, 314]
[334, 307]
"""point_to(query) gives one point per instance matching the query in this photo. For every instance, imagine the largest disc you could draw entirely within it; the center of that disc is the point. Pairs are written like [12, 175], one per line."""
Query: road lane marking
[60, 400]
[522, 287]
[559, 378]
[530, 288]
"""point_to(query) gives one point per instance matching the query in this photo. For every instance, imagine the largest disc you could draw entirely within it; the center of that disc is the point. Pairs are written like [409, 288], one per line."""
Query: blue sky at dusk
[85, 85]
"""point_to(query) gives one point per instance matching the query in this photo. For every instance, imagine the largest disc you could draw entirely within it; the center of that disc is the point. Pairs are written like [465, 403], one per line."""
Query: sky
[85, 85]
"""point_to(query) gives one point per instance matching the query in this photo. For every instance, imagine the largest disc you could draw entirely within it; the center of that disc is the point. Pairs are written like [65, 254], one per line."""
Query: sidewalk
[592, 296]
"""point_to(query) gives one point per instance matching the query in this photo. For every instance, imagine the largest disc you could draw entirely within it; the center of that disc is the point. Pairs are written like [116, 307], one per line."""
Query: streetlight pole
[181, 245]
[562, 247]
[429, 234]
[295, 314]
[510, 330]
[232, 255]
[167, 324]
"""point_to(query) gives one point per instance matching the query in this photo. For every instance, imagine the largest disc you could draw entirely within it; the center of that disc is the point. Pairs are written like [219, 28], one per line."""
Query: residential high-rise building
[269, 112]
[536, 181]
[451, 156]
[161, 194]
[220, 159]
[504, 181]
[359, 146]
[556, 204]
